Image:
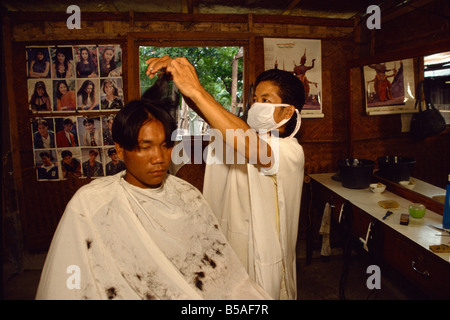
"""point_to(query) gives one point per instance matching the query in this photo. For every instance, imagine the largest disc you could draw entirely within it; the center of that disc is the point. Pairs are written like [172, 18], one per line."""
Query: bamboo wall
[325, 140]
[344, 131]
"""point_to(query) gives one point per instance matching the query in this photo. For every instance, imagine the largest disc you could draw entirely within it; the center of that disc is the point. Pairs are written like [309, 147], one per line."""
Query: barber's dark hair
[291, 91]
[130, 119]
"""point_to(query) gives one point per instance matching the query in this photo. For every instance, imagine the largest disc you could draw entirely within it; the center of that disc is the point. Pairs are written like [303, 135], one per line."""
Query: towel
[325, 231]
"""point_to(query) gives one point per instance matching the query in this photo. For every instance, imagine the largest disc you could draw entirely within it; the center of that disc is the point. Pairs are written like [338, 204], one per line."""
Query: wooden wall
[344, 131]
[324, 140]
[411, 32]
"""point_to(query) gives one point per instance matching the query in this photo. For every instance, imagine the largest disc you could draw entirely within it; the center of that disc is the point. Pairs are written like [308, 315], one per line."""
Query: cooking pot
[395, 168]
[355, 173]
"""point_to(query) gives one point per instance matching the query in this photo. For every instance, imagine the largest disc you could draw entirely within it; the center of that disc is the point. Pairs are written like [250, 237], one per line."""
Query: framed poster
[302, 57]
[389, 87]
[67, 85]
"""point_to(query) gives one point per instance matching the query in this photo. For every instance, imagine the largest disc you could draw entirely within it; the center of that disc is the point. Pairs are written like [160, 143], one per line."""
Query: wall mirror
[381, 135]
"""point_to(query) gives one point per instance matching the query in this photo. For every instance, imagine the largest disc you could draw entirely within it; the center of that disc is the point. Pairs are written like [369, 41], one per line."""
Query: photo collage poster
[74, 93]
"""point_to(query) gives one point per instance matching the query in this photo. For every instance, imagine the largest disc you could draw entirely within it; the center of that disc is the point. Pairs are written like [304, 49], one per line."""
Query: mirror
[437, 70]
[378, 135]
[423, 192]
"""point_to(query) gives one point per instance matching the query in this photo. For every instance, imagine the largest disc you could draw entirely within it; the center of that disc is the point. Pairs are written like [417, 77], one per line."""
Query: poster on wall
[67, 85]
[84, 78]
[389, 87]
[302, 57]
[74, 146]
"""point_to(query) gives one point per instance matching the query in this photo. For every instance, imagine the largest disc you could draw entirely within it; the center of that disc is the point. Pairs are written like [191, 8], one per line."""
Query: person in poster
[87, 97]
[65, 96]
[71, 166]
[107, 131]
[62, 63]
[91, 167]
[43, 138]
[86, 66]
[111, 98]
[40, 100]
[39, 64]
[92, 135]
[65, 137]
[48, 169]
[300, 71]
[115, 165]
[110, 64]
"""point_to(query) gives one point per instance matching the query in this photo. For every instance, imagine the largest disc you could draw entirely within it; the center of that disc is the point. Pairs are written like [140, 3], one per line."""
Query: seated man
[142, 233]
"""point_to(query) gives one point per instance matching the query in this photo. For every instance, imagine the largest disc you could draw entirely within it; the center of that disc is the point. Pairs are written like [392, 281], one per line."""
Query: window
[437, 71]
[214, 66]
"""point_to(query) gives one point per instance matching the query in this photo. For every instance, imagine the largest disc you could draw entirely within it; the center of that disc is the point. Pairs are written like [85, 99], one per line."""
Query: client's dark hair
[162, 95]
[159, 102]
[130, 119]
[291, 91]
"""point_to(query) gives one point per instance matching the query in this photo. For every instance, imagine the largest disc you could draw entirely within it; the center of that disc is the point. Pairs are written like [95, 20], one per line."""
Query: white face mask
[260, 117]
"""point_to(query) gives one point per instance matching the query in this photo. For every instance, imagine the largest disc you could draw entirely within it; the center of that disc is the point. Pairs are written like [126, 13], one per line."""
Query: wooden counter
[402, 247]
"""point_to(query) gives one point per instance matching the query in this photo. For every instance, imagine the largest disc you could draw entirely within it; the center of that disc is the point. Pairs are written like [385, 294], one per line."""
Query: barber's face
[268, 92]
[148, 165]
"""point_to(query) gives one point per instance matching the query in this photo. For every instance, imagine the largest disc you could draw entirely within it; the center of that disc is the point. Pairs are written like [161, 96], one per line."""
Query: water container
[395, 168]
[356, 173]
[446, 216]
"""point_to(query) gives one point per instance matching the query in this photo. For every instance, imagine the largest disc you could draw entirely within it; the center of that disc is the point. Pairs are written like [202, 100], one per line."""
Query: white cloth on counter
[325, 231]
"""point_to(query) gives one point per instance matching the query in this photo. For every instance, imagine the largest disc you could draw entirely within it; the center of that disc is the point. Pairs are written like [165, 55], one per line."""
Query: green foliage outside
[213, 66]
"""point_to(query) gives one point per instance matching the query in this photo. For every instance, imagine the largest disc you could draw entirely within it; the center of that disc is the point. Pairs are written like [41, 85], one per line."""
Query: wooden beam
[184, 6]
[194, 5]
[291, 6]
[8, 68]
[189, 6]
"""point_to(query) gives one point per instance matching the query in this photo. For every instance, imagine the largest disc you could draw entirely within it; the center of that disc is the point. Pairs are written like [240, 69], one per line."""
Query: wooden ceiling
[339, 9]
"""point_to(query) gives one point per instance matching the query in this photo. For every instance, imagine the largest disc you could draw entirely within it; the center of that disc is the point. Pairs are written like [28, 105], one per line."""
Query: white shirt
[259, 214]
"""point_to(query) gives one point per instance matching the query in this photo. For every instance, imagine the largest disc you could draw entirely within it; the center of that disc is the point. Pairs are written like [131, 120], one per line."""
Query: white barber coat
[259, 214]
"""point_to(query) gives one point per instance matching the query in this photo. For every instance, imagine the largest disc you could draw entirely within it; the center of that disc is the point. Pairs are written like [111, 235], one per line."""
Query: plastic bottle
[446, 216]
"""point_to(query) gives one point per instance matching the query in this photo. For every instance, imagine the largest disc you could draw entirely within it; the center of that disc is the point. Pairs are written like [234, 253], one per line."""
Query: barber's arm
[186, 80]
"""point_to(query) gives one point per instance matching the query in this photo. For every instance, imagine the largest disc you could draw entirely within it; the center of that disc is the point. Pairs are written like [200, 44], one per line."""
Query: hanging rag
[325, 231]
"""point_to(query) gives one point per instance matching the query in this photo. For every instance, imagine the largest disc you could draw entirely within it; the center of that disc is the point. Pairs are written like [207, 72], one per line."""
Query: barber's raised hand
[181, 70]
[157, 64]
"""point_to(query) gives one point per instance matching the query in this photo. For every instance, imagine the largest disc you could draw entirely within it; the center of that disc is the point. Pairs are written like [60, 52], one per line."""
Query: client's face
[148, 165]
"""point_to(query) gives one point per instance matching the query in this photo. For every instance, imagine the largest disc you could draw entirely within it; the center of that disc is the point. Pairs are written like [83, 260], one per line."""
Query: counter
[404, 247]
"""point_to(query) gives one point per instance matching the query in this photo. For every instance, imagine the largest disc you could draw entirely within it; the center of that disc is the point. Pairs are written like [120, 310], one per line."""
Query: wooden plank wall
[324, 140]
[412, 32]
[344, 131]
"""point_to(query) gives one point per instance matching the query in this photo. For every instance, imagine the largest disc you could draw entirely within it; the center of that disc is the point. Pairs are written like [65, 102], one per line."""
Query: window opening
[437, 71]
[220, 71]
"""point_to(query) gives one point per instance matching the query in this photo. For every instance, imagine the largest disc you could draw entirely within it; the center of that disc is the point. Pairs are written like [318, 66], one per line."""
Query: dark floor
[325, 279]
[319, 280]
